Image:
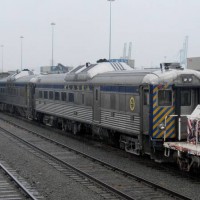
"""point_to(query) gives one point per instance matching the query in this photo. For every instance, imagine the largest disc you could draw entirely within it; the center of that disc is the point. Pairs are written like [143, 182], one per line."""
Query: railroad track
[105, 179]
[14, 188]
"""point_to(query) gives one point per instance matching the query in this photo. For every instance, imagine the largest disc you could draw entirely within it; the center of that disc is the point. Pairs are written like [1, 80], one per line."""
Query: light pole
[2, 46]
[110, 31]
[52, 25]
[21, 37]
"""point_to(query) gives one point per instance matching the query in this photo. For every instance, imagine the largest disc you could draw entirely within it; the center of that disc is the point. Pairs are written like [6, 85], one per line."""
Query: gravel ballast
[50, 183]
[122, 160]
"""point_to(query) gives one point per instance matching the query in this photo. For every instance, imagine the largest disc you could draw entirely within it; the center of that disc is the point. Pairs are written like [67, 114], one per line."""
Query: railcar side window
[50, 94]
[45, 95]
[57, 96]
[71, 97]
[40, 94]
[83, 98]
[96, 94]
[22, 92]
[63, 96]
[185, 97]
[112, 101]
[146, 97]
[164, 98]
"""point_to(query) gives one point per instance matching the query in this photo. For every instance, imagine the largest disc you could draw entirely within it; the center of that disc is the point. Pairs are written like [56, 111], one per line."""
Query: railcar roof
[124, 77]
[49, 79]
[89, 71]
[22, 79]
[170, 76]
[25, 79]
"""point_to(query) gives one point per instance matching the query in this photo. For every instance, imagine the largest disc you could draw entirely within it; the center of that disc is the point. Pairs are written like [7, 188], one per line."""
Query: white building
[193, 63]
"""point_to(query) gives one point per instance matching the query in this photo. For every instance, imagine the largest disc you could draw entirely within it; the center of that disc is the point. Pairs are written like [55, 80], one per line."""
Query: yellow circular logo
[132, 103]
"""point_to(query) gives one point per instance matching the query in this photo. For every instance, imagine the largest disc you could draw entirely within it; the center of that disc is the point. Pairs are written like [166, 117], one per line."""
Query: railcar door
[187, 100]
[97, 105]
[145, 110]
[30, 100]
[145, 117]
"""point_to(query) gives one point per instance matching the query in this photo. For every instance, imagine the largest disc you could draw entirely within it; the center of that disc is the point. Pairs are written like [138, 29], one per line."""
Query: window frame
[55, 97]
[190, 95]
[146, 99]
[171, 102]
[40, 94]
[51, 97]
[65, 99]
[71, 95]
[46, 96]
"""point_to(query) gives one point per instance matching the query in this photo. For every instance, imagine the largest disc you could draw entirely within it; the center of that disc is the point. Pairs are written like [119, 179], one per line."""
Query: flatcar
[136, 109]
[188, 151]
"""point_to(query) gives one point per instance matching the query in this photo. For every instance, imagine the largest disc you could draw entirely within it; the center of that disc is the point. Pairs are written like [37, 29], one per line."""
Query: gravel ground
[119, 159]
[50, 183]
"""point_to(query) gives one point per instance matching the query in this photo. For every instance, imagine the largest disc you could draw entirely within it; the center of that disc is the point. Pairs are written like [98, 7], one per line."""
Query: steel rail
[134, 176]
[26, 192]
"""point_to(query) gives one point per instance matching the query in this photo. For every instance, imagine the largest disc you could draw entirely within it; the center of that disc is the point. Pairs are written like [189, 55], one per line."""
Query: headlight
[189, 80]
[161, 127]
[185, 80]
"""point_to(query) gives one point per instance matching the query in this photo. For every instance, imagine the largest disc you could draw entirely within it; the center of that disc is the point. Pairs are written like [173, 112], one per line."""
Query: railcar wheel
[184, 164]
[39, 117]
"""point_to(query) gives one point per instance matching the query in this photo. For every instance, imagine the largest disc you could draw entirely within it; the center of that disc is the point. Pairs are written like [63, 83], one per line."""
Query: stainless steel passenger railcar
[17, 94]
[136, 108]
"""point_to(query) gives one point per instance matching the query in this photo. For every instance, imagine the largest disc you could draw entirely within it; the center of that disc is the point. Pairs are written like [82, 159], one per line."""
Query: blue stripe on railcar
[20, 84]
[13, 85]
[2, 84]
[123, 89]
[50, 86]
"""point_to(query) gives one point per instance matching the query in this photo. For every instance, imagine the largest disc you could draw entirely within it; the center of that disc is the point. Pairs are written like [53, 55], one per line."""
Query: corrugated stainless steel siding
[121, 121]
[66, 111]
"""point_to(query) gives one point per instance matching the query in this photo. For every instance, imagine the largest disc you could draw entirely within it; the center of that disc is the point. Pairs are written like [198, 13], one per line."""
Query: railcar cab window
[57, 96]
[164, 98]
[185, 97]
[146, 97]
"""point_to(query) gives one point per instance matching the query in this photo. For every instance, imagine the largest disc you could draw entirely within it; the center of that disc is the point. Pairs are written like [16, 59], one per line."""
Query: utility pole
[21, 51]
[52, 25]
[110, 31]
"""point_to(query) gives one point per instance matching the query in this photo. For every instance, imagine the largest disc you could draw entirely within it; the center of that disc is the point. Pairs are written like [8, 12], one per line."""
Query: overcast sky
[156, 28]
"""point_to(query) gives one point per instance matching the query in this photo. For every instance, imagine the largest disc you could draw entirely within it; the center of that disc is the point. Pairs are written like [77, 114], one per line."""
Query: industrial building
[59, 69]
[193, 63]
